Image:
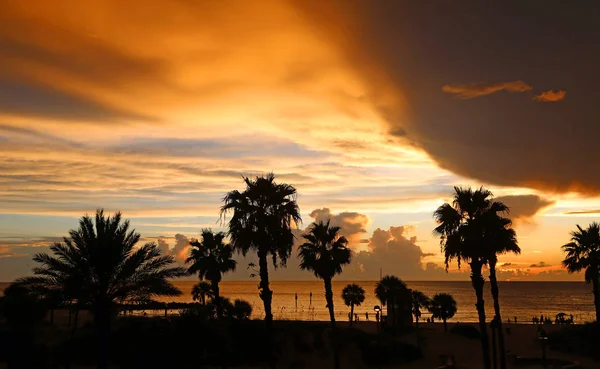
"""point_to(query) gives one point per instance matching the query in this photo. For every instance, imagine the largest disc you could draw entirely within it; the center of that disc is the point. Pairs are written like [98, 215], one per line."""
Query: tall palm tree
[211, 258]
[201, 291]
[443, 306]
[419, 301]
[98, 265]
[390, 290]
[324, 253]
[262, 220]
[353, 295]
[462, 233]
[499, 238]
[583, 253]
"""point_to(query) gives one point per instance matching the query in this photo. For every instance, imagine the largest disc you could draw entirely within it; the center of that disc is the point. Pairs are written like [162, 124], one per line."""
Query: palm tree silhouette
[211, 258]
[499, 238]
[242, 310]
[262, 220]
[583, 253]
[201, 291]
[353, 295]
[462, 235]
[324, 253]
[443, 306]
[98, 265]
[419, 300]
[390, 290]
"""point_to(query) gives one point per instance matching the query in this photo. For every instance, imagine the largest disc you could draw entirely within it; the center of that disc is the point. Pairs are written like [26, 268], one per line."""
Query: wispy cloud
[541, 264]
[551, 96]
[472, 90]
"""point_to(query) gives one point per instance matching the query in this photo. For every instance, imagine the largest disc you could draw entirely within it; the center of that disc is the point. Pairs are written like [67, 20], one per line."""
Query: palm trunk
[417, 321]
[445, 325]
[477, 282]
[217, 298]
[495, 296]
[265, 293]
[329, 299]
[351, 314]
[494, 355]
[596, 289]
[102, 321]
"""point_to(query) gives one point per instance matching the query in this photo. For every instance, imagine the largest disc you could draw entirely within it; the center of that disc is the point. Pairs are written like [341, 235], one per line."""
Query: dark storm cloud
[504, 139]
[524, 207]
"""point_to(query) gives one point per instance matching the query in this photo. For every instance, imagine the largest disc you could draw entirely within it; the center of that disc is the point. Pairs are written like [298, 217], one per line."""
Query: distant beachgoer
[428, 320]
[310, 296]
[433, 321]
[367, 315]
[508, 320]
[542, 319]
[296, 300]
[515, 320]
[355, 317]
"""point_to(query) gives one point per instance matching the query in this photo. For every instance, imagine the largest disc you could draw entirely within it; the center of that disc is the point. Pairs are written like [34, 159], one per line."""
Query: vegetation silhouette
[325, 252]
[583, 253]
[419, 301]
[98, 265]
[242, 310]
[461, 237]
[353, 295]
[211, 258]
[201, 292]
[442, 306]
[261, 221]
[389, 290]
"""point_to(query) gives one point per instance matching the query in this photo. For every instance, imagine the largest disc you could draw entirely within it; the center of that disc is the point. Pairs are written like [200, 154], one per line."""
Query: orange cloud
[551, 96]
[469, 91]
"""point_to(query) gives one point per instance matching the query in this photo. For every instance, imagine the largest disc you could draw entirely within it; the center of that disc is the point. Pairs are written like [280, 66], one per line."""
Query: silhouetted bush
[465, 330]
[20, 308]
[386, 350]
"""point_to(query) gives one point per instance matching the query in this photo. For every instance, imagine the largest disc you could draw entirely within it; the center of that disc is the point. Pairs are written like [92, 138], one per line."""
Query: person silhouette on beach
[367, 315]
[310, 298]
[296, 300]
[515, 320]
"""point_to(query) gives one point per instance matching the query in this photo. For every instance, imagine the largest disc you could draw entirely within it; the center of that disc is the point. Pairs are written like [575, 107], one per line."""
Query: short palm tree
[211, 258]
[324, 252]
[353, 295]
[443, 306]
[262, 219]
[98, 265]
[461, 227]
[583, 253]
[390, 290]
[201, 291]
[242, 310]
[419, 301]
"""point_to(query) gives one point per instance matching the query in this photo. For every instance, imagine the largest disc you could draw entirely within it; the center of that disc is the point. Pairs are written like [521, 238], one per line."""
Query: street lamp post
[543, 337]
[377, 309]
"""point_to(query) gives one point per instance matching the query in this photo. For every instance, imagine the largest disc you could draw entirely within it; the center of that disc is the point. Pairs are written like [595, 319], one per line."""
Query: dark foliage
[577, 339]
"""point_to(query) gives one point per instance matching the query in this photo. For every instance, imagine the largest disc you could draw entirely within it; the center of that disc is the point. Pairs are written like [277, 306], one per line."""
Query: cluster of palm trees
[98, 266]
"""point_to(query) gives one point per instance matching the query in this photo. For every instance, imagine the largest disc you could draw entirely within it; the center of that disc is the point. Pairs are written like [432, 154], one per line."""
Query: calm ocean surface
[521, 299]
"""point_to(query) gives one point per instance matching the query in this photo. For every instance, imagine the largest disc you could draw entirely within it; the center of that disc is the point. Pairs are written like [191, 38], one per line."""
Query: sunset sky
[373, 110]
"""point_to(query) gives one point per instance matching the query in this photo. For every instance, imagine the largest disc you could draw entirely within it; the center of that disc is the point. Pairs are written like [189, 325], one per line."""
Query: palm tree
[262, 220]
[324, 253]
[419, 300]
[499, 238]
[211, 258]
[201, 291]
[98, 265]
[443, 306]
[583, 253]
[390, 290]
[462, 233]
[353, 295]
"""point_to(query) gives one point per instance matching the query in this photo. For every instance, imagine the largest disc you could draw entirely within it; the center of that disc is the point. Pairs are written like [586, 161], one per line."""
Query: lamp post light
[377, 309]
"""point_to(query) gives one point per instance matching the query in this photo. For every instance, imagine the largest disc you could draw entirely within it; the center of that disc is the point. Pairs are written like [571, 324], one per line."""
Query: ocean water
[523, 300]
